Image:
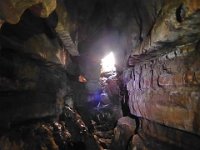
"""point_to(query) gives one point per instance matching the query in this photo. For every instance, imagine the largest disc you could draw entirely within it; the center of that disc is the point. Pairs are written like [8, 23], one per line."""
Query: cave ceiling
[99, 26]
[92, 28]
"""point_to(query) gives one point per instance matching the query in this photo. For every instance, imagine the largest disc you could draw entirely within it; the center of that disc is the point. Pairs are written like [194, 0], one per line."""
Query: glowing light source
[82, 79]
[108, 63]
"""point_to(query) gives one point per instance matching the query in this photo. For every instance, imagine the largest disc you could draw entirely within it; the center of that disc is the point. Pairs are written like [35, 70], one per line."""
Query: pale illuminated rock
[11, 10]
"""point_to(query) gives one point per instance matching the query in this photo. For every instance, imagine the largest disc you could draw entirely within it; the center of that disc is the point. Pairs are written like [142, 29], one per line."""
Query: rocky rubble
[69, 132]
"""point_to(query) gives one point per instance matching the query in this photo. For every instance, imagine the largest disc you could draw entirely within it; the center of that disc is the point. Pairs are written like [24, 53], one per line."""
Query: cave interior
[99, 74]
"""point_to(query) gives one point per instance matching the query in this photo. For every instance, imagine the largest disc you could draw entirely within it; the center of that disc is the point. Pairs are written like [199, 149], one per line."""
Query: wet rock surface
[11, 10]
[163, 82]
[34, 78]
[123, 133]
[175, 138]
[103, 124]
[30, 86]
[163, 85]
[68, 133]
[144, 142]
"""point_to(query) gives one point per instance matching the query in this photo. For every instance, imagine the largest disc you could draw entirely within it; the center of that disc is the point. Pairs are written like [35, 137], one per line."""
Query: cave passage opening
[108, 63]
[99, 74]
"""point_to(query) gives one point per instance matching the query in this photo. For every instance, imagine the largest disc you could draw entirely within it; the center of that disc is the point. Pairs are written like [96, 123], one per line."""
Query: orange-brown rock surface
[164, 84]
[11, 10]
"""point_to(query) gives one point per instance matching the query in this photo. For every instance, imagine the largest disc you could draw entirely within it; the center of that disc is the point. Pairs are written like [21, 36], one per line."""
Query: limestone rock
[38, 39]
[123, 133]
[156, 136]
[48, 49]
[164, 85]
[67, 133]
[166, 90]
[32, 84]
[64, 28]
[11, 10]
[144, 142]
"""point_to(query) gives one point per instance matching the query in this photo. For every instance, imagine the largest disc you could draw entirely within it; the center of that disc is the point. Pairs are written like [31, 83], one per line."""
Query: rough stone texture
[34, 65]
[69, 132]
[30, 86]
[48, 49]
[164, 84]
[166, 90]
[175, 21]
[36, 36]
[144, 142]
[175, 137]
[64, 27]
[123, 132]
[116, 25]
[164, 87]
[11, 10]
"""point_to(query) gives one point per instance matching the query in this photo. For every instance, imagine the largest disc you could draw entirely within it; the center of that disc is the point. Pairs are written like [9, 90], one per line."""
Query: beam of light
[108, 63]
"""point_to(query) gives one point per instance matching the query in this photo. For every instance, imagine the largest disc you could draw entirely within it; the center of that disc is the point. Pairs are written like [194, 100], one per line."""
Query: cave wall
[163, 75]
[160, 39]
[11, 11]
[37, 72]
[166, 89]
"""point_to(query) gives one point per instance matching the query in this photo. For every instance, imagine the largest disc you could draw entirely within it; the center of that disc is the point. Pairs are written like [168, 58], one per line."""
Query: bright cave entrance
[108, 63]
